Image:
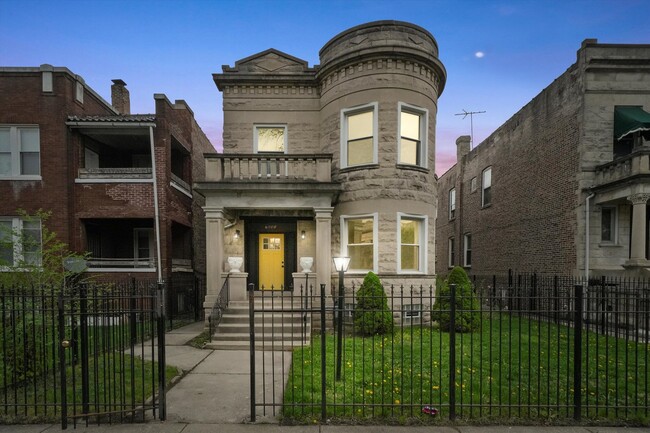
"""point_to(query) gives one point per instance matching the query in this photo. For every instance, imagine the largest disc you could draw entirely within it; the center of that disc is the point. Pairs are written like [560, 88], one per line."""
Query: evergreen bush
[468, 316]
[371, 314]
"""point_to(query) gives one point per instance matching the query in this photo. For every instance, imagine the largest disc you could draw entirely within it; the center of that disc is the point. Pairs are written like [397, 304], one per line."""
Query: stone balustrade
[238, 167]
[636, 163]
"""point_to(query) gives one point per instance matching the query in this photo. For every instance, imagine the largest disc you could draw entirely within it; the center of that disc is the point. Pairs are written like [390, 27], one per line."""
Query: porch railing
[105, 262]
[636, 163]
[265, 168]
[115, 173]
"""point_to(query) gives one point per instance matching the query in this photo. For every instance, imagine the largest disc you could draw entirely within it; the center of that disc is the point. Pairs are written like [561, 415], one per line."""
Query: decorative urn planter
[235, 263]
[306, 263]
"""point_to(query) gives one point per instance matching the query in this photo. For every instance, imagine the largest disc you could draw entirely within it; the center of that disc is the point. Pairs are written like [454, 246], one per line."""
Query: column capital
[323, 212]
[639, 198]
[212, 213]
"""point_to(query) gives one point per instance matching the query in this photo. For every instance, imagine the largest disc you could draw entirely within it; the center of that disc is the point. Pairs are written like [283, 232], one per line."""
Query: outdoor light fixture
[341, 265]
[302, 234]
[237, 234]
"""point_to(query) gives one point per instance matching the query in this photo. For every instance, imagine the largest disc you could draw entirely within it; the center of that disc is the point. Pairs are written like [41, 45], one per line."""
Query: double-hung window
[412, 243]
[359, 136]
[467, 250]
[486, 185]
[412, 147]
[20, 152]
[452, 252]
[608, 224]
[452, 203]
[20, 242]
[359, 242]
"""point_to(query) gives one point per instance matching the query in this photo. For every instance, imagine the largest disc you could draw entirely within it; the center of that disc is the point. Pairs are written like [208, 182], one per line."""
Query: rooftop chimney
[462, 147]
[120, 97]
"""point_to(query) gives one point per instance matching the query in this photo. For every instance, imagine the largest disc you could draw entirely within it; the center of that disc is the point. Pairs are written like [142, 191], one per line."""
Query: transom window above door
[270, 138]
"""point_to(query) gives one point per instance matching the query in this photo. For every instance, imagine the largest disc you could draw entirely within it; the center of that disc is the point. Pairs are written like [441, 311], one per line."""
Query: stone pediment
[270, 61]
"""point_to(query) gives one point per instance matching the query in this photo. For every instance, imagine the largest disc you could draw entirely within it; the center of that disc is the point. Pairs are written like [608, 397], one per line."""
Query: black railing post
[83, 313]
[577, 353]
[323, 362]
[339, 327]
[452, 352]
[162, 383]
[63, 344]
[251, 325]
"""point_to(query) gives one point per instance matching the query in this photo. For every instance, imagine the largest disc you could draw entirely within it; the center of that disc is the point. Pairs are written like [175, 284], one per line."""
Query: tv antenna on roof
[471, 114]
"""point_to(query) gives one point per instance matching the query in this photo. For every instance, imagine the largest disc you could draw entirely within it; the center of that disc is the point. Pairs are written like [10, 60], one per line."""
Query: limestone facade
[384, 70]
[550, 162]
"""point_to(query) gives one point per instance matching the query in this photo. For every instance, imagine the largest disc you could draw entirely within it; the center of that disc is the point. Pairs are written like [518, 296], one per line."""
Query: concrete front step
[245, 345]
[260, 328]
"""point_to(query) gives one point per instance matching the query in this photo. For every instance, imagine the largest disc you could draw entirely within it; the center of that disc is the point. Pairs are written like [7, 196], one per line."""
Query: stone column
[323, 246]
[214, 255]
[639, 235]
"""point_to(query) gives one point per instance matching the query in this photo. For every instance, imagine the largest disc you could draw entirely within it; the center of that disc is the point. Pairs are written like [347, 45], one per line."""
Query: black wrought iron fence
[88, 353]
[526, 347]
[185, 295]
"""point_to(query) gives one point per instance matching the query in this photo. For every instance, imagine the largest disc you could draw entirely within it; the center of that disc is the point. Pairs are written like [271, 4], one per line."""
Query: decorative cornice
[270, 89]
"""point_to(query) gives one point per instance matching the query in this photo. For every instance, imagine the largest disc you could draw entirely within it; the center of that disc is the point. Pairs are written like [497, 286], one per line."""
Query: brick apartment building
[563, 185]
[65, 150]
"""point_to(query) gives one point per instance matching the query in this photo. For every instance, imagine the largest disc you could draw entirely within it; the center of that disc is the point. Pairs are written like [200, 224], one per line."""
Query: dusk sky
[498, 54]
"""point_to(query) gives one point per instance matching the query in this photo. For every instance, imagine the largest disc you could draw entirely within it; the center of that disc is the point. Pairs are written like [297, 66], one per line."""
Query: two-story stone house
[563, 185]
[331, 160]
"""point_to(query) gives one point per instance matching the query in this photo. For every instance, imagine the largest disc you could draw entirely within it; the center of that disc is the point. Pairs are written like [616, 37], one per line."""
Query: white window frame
[424, 127]
[467, 263]
[151, 245]
[452, 203]
[344, 240]
[484, 187]
[613, 228]
[411, 314]
[256, 128]
[424, 229]
[15, 148]
[16, 233]
[451, 252]
[374, 107]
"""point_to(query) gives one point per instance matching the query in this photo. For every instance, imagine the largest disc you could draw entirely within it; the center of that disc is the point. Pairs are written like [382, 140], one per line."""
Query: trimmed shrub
[371, 313]
[468, 316]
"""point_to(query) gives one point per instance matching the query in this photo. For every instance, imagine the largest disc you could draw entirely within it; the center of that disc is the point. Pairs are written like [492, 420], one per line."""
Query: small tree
[34, 256]
[468, 316]
[371, 314]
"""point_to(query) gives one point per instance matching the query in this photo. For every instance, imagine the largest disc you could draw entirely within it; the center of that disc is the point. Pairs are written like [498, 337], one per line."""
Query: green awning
[628, 119]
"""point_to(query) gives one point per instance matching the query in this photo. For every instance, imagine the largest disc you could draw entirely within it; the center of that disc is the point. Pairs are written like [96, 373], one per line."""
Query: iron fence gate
[111, 356]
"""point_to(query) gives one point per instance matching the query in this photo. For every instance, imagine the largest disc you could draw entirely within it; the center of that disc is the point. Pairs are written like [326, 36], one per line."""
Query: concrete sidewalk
[214, 396]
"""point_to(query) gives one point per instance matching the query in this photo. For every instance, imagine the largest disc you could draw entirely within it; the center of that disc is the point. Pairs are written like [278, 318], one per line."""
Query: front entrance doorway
[271, 252]
[271, 260]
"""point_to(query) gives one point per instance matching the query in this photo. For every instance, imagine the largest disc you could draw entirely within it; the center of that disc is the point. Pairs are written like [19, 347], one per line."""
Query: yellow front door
[271, 261]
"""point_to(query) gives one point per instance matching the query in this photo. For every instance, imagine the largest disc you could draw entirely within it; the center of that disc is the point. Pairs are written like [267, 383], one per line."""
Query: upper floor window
[452, 203]
[467, 250]
[486, 185]
[412, 234]
[271, 138]
[358, 241]
[472, 184]
[79, 92]
[452, 252]
[412, 132]
[359, 136]
[20, 242]
[20, 152]
[608, 223]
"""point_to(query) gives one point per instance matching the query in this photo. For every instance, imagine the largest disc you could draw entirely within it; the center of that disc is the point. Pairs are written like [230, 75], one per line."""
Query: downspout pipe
[155, 204]
[587, 200]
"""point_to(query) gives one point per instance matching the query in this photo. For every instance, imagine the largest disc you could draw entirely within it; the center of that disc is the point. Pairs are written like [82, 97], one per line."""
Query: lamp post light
[341, 265]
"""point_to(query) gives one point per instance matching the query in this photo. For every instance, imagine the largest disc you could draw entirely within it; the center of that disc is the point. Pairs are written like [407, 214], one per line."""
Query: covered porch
[267, 218]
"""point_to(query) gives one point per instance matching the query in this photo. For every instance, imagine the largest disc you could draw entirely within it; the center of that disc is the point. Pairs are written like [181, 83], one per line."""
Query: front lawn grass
[514, 369]
[117, 381]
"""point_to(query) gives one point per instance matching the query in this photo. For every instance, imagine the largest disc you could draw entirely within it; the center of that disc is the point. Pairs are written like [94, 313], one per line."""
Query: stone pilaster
[214, 249]
[639, 234]
[323, 245]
